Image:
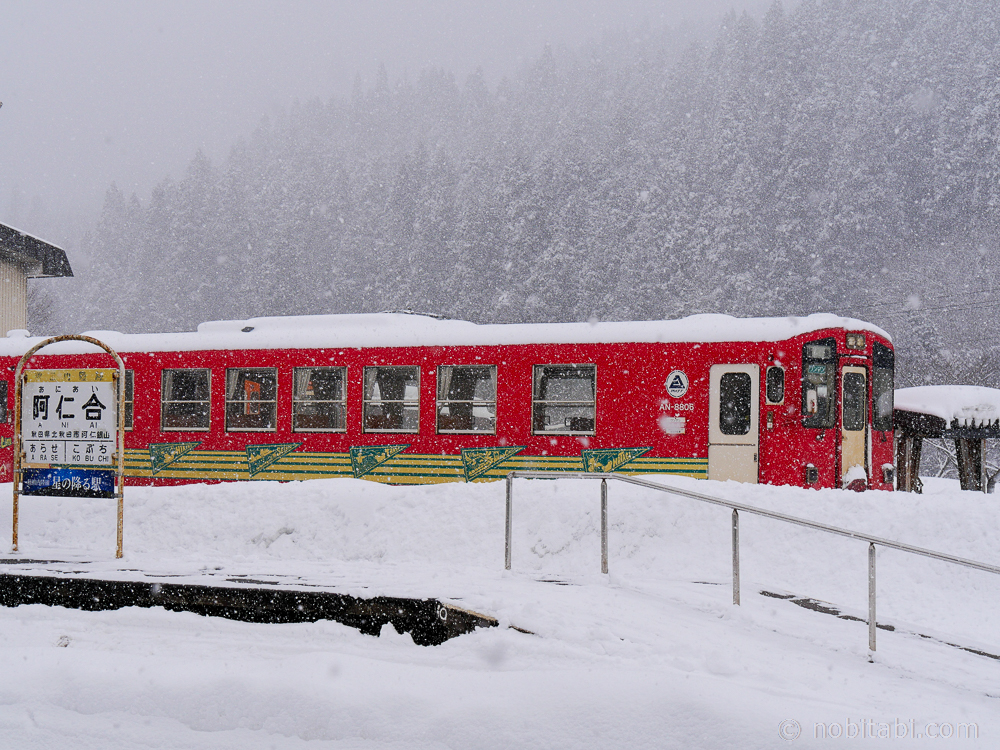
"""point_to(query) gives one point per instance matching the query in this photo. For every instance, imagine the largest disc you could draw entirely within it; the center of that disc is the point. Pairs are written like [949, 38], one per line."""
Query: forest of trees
[842, 157]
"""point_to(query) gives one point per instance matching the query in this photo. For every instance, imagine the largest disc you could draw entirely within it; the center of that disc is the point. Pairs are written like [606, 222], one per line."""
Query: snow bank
[969, 404]
[448, 540]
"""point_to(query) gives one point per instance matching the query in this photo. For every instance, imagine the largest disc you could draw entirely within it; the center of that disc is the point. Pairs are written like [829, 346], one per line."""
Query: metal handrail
[736, 509]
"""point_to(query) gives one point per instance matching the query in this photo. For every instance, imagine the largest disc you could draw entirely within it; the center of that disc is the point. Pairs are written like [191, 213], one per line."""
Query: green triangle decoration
[161, 455]
[609, 460]
[478, 461]
[259, 457]
[366, 459]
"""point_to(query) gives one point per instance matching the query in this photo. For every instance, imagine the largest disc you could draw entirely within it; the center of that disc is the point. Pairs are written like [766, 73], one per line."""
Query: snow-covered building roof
[24, 257]
[957, 405]
[396, 329]
[40, 259]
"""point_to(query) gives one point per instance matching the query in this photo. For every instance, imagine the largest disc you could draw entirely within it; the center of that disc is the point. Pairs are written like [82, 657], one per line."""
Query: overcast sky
[126, 92]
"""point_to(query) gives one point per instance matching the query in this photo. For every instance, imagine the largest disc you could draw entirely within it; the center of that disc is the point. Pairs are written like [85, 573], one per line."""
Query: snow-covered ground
[652, 655]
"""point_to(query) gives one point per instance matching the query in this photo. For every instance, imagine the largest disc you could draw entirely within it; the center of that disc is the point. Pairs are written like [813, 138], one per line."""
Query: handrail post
[871, 596]
[16, 465]
[736, 557]
[510, 488]
[604, 525]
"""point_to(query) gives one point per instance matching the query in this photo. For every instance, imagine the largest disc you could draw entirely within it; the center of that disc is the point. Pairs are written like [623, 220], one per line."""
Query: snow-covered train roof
[969, 405]
[397, 329]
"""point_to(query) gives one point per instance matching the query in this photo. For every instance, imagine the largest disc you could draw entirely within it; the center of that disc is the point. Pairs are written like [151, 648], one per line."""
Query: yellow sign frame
[117, 376]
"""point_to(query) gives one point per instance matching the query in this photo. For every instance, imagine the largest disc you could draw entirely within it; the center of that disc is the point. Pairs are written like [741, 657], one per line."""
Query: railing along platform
[736, 509]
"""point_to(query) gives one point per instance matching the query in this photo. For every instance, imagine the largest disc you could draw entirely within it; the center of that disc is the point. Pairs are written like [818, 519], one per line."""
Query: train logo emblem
[677, 384]
[161, 455]
[478, 461]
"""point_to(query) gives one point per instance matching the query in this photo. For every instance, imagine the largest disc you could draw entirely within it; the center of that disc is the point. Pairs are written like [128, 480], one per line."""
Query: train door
[734, 414]
[853, 425]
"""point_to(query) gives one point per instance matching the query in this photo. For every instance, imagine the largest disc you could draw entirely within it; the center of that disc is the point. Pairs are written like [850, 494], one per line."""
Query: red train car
[413, 399]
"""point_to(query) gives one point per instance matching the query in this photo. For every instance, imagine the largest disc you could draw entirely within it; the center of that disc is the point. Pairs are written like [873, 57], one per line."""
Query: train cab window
[774, 389]
[3, 402]
[564, 400]
[392, 399]
[819, 391]
[128, 398]
[185, 400]
[467, 398]
[882, 385]
[319, 399]
[735, 403]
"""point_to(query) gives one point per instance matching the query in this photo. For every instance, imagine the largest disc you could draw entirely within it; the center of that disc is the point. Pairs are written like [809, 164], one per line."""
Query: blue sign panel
[66, 482]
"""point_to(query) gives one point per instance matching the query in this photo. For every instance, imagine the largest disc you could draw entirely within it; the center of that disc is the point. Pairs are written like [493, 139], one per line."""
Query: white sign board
[69, 423]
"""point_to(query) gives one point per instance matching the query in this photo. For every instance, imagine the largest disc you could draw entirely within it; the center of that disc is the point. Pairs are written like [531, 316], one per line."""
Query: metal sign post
[69, 436]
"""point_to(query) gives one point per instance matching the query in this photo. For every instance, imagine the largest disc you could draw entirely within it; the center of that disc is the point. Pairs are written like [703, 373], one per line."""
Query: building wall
[13, 296]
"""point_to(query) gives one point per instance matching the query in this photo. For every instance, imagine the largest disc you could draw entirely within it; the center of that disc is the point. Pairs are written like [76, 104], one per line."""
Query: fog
[126, 93]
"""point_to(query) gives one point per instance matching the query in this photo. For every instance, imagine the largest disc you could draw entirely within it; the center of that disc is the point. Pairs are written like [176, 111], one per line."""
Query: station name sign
[69, 423]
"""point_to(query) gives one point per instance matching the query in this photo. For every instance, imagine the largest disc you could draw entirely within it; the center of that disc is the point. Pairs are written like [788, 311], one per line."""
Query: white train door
[733, 429]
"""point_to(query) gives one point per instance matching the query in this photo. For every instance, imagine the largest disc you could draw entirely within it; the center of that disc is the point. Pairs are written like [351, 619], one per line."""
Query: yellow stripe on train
[281, 463]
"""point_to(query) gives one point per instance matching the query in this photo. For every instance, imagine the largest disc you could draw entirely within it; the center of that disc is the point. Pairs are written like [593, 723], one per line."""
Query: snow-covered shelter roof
[397, 330]
[41, 259]
[959, 405]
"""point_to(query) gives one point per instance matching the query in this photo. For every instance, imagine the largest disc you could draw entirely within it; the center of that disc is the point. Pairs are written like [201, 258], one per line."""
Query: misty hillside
[840, 157]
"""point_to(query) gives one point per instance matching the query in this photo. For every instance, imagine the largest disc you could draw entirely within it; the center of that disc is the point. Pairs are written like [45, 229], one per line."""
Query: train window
[735, 397]
[564, 400]
[882, 385]
[467, 398]
[319, 399]
[392, 399]
[251, 399]
[3, 402]
[819, 365]
[854, 401]
[775, 387]
[128, 398]
[185, 400]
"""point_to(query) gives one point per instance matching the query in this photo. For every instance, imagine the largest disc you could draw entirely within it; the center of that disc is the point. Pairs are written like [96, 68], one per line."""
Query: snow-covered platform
[647, 654]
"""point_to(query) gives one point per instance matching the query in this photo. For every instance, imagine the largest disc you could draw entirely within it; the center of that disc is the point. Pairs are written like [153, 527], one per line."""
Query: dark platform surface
[430, 622]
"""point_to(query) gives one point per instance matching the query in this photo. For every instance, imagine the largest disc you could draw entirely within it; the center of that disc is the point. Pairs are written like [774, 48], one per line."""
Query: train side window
[735, 403]
[392, 399]
[251, 399]
[819, 391]
[128, 398]
[3, 402]
[185, 400]
[774, 389]
[564, 400]
[882, 386]
[319, 399]
[467, 398]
